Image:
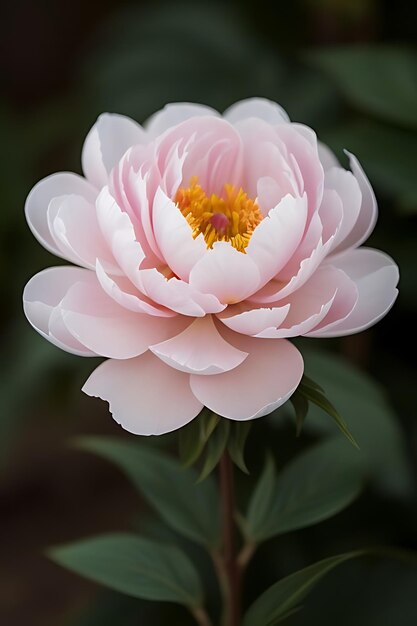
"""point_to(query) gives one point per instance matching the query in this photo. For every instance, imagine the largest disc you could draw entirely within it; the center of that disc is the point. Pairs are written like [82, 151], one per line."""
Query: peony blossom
[200, 244]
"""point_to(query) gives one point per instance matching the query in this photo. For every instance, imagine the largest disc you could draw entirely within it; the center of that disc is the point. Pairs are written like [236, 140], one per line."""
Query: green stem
[229, 571]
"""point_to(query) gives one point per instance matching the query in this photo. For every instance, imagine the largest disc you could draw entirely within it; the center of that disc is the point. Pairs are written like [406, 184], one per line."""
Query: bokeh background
[348, 68]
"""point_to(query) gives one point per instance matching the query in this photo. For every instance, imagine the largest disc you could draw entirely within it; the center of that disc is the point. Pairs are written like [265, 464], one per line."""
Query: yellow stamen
[231, 217]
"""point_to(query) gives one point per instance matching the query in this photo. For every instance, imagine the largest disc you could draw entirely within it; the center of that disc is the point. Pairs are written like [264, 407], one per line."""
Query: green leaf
[262, 500]
[135, 566]
[315, 486]
[321, 401]
[364, 404]
[300, 404]
[379, 80]
[215, 447]
[237, 441]
[194, 436]
[190, 509]
[283, 598]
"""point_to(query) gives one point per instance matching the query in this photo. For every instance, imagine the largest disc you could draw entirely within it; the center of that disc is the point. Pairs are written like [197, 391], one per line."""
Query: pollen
[232, 216]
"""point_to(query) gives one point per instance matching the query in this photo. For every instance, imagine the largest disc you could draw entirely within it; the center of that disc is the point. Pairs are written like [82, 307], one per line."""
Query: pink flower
[201, 243]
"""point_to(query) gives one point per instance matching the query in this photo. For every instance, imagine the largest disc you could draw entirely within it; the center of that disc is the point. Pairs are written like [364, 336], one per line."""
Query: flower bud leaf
[316, 485]
[300, 404]
[190, 509]
[134, 566]
[193, 437]
[283, 598]
[237, 441]
[215, 447]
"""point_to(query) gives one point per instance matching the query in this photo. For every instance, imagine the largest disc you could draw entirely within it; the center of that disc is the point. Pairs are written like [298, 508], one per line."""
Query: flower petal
[199, 349]
[264, 381]
[347, 188]
[106, 143]
[342, 305]
[73, 224]
[225, 273]
[43, 192]
[376, 276]
[262, 108]
[309, 305]
[277, 236]
[253, 321]
[145, 396]
[125, 293]
[173, 114]
[41, 297]
[368, 212]
[108, 329]
[174, 236]
[327, 158]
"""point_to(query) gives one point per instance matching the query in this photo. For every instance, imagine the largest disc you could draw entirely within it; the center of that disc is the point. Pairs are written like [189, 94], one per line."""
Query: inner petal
[231, 217]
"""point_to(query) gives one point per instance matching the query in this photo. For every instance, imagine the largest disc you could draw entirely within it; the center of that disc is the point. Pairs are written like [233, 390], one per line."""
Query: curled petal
[243, 394]
[41, 299]
[309, 305]
[347, 188]
[145, 396]
[37, 203]
[199, 349]
[376, 276]
[79, 244]
[327, 158]
[368, 212]
[105, 145]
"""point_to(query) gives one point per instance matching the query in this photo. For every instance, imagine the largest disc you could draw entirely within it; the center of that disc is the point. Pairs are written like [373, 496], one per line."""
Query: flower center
[231, 217]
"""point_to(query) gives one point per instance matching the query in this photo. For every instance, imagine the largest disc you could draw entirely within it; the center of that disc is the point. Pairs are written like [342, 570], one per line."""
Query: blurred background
[348, 68]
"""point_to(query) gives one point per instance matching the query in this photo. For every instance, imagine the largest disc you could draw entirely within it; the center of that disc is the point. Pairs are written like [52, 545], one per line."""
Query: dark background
[348, 69]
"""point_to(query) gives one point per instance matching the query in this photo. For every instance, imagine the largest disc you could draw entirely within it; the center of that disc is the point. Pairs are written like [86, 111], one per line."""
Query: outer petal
[376, 277]
[108, 329]
[41, 298]
[368, 212]
[73, 224]
[225, 273]
[145, 396]
[309, 305]
[60, 337]
[262, 108]
[342, 305]
[43, 192]
[327, 158]
[199, 349]
[347, 188]
[264, 381]
[173, 114]
[106, 143]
